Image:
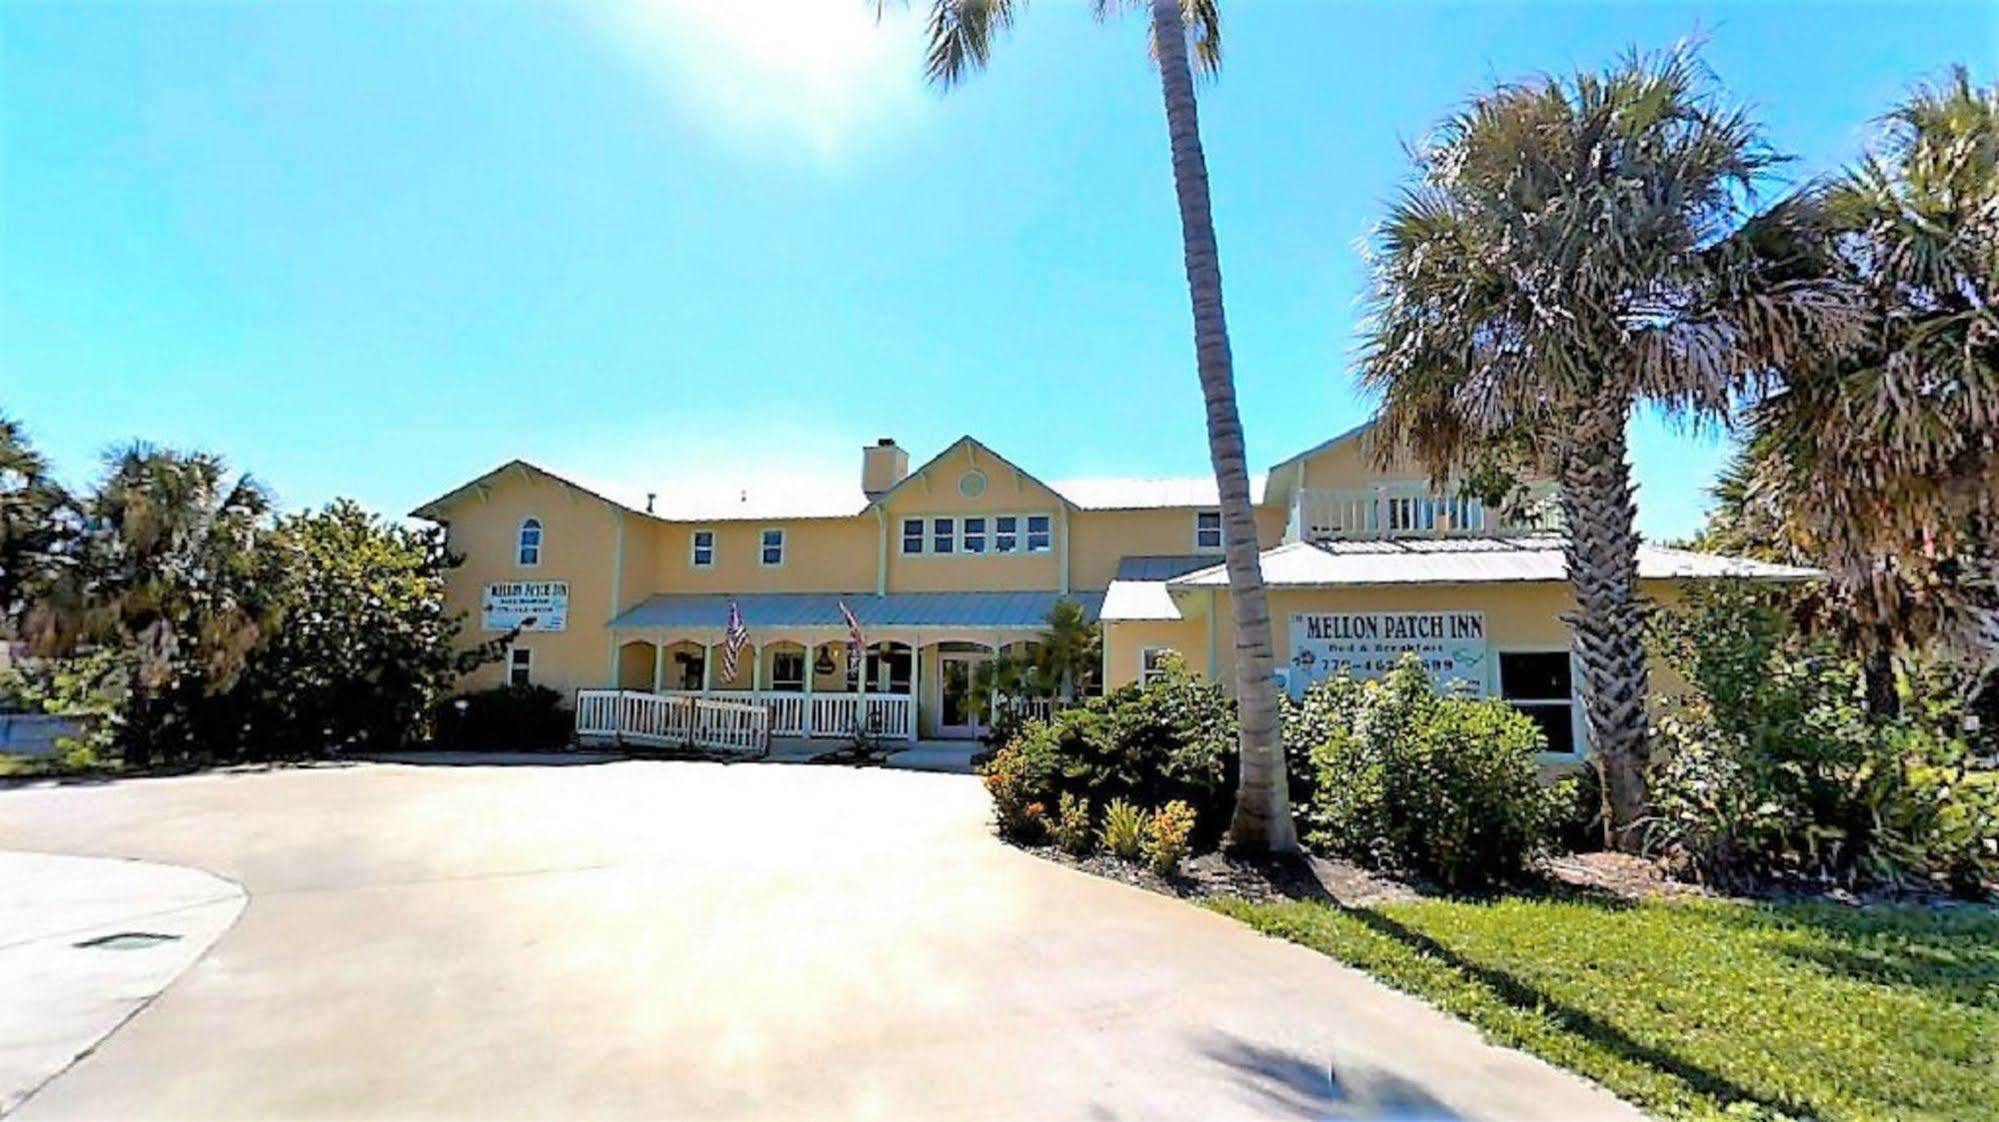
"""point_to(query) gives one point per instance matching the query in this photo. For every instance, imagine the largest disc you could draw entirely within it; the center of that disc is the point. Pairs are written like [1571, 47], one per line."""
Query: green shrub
[1173, 739]
[1575, 813]
[1019, 778]
[1167, 836]
[1124, 830]
[1442, 787]
[523, 718]
[1772, 766]
[1072, 826]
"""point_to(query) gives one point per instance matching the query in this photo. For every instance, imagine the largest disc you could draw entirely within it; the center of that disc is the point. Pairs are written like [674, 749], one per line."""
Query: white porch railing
[669, 720]
[1032, 708]
[1409, 510]
[671, 717]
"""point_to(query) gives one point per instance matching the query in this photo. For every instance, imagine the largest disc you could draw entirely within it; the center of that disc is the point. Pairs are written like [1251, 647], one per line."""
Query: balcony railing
[1411, 511]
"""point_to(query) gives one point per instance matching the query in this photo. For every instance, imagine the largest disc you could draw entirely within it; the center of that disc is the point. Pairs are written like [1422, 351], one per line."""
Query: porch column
[707, 666]
[658, 665]
[861, 680]
[992, 701]
[756, 670]
[915, 683]
[811, 653]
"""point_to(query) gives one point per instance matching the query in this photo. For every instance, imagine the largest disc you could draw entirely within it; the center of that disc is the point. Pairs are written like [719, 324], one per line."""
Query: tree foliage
[172, 608]
[170, 569]
[1880, 461]
[367, 647]
[31, 514]
[1567, 249]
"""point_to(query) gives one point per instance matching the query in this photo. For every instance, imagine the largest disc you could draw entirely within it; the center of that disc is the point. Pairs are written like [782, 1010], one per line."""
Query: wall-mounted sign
[531, 605]
[1364, 645]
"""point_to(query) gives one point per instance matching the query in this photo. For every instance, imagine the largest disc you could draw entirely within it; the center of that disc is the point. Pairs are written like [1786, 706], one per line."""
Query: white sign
[531, 605]
[1368, 645]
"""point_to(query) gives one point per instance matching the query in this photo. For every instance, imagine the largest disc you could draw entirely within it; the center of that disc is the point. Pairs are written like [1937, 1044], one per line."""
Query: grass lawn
[1707, 1009]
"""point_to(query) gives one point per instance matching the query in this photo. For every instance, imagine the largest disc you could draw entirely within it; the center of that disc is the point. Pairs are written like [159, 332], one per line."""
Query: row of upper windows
[971, 534]
[770, 548]
[974, 534]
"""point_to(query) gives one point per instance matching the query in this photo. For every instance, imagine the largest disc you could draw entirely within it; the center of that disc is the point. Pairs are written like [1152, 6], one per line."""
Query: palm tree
[961, 34]
[173, 574]
[1567, 249]
[28, 505]
[1880, 463]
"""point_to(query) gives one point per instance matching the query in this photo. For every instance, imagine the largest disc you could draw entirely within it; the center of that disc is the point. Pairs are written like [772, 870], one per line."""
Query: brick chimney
[883, 465]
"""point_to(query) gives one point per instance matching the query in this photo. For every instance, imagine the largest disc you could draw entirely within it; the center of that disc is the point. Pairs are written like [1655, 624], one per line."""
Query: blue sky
[373, 249]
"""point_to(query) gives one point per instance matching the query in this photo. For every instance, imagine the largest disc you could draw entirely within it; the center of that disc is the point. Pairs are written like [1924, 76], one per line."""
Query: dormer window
[529, 551]
[1208, 531]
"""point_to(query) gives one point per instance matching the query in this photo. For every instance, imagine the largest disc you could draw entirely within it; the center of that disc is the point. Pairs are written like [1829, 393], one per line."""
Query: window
[1540, 685]
[943, 535]
[1208, 531]
[912, 535]
[530, 546]
[701, 549]
[693, 667]
[975, 535]
[1006, 533]
[787, 671]
[1039, 537]
[1152, 663]
[520, 666]
[771, 551]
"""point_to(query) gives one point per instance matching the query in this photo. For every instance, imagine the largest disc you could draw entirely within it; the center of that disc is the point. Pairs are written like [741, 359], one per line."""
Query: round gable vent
[972, 484]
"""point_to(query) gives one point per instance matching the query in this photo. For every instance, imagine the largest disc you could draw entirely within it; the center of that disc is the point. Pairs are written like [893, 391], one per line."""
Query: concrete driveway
[643, 939]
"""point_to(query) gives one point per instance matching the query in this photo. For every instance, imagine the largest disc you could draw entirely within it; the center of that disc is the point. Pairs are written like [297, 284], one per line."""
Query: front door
[956, 716]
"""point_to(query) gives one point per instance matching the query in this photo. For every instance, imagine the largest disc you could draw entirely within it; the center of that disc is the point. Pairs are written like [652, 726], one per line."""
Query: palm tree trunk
[1602, 555]
[1262, 820]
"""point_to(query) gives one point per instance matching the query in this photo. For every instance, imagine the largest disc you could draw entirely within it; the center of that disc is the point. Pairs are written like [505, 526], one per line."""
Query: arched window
[530, 551]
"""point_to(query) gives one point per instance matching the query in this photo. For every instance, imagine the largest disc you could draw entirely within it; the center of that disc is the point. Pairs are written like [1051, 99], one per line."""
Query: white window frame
[515, 662]
[1199, 530]
[1578, 724]
[694, 547]
[1028, 532]
[947, 535]
[1146, 671]
[763, 547]
[921, 538]
[521, 545]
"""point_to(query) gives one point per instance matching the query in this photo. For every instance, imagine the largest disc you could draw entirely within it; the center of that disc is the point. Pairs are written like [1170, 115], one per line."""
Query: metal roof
[1127, 600]
[1471, 561]
[998, 611]
[1159, 567]
[1149, 494]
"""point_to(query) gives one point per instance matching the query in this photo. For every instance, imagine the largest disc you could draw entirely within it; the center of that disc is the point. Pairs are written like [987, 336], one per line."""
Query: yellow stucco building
[963, 557]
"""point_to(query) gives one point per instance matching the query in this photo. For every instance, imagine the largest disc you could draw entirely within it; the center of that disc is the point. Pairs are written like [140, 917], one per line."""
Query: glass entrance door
[956, 716]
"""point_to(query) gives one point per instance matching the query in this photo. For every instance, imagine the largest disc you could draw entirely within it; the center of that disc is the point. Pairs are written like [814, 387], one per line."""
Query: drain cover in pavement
[127, 941]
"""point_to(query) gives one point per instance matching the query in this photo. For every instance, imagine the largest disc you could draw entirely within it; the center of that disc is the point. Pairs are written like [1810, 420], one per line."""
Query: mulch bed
[1336, 880]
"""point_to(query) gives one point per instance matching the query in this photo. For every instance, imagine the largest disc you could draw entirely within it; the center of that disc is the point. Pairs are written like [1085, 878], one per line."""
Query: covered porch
[919, 677]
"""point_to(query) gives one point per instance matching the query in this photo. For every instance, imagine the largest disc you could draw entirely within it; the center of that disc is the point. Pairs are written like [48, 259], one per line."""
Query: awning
[1139, 591]
[984, 611]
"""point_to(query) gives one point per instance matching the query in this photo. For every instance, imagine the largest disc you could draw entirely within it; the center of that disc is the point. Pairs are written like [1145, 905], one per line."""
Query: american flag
[855, 643]
[733, 638]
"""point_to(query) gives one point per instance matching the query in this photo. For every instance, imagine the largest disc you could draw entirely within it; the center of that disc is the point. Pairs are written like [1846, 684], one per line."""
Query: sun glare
[810, 75]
